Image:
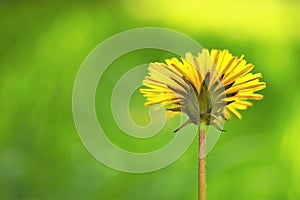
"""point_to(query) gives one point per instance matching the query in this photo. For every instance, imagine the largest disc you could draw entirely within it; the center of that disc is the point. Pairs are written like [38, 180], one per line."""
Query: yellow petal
[234, 112]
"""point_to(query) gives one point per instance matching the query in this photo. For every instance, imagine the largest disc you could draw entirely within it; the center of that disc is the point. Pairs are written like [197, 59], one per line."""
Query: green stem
[201, 164]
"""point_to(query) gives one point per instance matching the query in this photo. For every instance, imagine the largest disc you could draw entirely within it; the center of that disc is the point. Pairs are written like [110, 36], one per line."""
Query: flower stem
[201, 165]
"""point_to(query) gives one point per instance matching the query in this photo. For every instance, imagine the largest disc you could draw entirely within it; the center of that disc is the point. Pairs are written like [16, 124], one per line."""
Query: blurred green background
[42, 45]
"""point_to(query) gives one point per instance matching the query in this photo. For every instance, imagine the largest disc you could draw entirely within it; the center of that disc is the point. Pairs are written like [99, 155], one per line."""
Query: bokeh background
[42, 45]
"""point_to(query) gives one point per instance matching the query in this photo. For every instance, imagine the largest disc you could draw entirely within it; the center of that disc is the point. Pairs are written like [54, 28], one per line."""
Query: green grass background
[42, 45]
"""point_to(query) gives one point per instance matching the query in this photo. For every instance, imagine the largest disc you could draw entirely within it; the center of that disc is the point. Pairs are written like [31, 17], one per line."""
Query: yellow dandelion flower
[207, 87]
